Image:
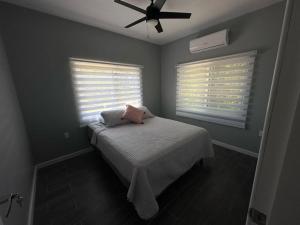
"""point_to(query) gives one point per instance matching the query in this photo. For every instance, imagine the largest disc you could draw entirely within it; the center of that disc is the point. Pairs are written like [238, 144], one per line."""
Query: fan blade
[136, 22]
[159, 3]
[159, 27]
[130, 6]
[174, 15]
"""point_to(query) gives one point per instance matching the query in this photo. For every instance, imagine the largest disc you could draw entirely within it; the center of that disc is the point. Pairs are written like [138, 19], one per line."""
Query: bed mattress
[151, 156]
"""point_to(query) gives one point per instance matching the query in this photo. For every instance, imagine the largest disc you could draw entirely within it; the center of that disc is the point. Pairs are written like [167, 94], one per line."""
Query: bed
[151, 156]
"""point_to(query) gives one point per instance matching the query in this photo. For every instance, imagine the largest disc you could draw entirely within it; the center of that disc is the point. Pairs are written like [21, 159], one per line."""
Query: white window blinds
[216, 90]
[101, 86]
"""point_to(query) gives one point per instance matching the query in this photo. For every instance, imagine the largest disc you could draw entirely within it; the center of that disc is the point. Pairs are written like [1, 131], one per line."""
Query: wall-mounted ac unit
[208, 42]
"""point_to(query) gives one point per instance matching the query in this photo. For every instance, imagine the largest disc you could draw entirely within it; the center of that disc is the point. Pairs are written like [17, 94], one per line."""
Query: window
[101, 86]
[216, 90]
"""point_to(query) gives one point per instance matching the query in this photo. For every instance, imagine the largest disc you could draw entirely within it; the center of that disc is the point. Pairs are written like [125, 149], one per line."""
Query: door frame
[271, 102]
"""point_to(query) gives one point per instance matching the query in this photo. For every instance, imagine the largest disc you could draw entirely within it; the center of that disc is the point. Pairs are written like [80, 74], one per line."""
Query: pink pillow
[133, 114]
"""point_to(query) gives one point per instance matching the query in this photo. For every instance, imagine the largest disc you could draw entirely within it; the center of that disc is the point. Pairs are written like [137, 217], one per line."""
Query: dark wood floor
[85, 191]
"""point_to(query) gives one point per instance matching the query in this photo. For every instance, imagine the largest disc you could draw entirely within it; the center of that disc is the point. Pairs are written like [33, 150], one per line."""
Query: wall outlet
[260, 133]
[67, 135]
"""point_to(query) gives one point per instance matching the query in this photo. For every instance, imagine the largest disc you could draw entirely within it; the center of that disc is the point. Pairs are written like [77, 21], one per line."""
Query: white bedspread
[151, 156]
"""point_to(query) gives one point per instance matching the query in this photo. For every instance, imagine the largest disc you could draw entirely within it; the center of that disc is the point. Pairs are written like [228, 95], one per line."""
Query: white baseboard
[235, 148]
[44, 164]
[32, 197]
[64, 157]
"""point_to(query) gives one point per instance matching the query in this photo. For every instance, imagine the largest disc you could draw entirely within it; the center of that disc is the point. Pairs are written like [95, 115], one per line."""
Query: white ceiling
[110, 16]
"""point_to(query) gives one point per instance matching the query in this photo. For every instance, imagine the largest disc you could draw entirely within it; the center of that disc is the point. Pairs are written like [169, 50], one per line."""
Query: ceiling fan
[153, 14]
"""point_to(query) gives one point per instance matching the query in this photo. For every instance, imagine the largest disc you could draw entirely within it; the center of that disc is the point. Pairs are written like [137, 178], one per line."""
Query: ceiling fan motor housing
[152, 13]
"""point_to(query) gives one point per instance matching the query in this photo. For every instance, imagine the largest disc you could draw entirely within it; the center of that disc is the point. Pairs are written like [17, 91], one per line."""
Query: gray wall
[259, 30]
[38, 47]
[16, 165]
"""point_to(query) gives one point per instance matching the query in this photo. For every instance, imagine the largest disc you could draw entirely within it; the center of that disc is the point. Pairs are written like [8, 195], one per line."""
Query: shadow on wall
[16, 164]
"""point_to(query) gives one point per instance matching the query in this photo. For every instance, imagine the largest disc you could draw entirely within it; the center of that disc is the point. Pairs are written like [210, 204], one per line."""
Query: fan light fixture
[153, 14]
[152, 22]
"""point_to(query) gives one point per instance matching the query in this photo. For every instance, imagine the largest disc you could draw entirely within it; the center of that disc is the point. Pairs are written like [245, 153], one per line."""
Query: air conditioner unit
[208, 42]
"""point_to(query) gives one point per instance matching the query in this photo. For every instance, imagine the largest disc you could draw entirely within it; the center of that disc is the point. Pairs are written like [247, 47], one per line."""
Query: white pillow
[147, 114]
[113, 118]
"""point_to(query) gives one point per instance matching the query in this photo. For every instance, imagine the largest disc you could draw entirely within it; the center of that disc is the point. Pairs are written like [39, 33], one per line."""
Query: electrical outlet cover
[67, 135]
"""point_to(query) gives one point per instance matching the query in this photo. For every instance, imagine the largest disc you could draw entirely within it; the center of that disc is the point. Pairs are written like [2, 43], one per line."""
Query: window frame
[71, 59]
[209, 117]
